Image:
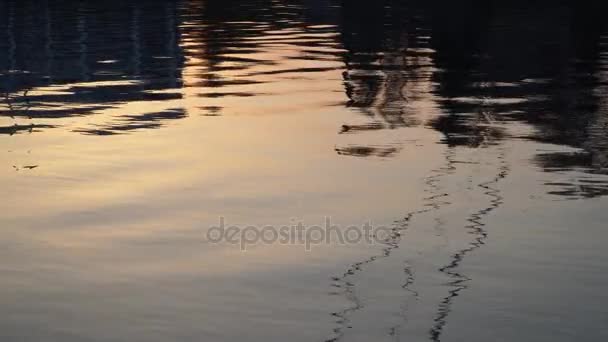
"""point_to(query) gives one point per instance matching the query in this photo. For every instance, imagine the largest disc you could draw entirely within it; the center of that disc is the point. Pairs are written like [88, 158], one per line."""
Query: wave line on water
[476, 227]
[432, 202]
[435, 201]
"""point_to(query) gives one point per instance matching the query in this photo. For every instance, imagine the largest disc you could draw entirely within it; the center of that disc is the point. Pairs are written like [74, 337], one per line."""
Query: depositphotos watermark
[298, 234]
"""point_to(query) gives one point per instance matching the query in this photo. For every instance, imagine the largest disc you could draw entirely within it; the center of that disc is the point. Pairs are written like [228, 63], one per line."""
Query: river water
[476, 131]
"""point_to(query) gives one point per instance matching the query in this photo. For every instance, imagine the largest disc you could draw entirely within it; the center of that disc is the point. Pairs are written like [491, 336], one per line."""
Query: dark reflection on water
[64, 59]
[541, 65]
[488, 65]
[135, 122]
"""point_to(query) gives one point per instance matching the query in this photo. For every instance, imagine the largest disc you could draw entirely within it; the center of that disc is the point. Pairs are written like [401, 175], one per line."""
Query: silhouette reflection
[79, 59]
[467, 70]
[541, 66]
[481, 67]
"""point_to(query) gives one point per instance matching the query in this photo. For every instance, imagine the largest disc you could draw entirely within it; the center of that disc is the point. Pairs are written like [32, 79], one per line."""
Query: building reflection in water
[467, 71]
[389, 71]
[68, 61]
[481, 68]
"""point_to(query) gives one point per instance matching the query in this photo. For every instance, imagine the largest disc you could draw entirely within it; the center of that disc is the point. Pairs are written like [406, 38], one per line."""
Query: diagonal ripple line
[477, 228]
[436, 200]
[345, 283]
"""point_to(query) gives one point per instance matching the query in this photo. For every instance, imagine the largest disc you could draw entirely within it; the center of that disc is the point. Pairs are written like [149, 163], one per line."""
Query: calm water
[476, 130]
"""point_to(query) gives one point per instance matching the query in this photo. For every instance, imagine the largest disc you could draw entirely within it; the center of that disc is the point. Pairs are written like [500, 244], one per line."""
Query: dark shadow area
[61, 59]
[484, 65]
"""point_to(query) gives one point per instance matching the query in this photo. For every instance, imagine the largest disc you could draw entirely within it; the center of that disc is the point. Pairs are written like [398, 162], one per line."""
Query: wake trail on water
[346, 282]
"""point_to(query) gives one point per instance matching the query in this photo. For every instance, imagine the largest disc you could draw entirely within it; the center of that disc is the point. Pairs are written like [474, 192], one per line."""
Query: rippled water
[477, 131]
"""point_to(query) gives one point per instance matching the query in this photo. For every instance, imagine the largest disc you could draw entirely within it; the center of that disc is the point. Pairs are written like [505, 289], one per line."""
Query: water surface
[477, 132]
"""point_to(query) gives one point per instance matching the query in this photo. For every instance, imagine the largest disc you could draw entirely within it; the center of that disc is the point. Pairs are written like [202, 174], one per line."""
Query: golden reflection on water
[273, 149]
[270, 157]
